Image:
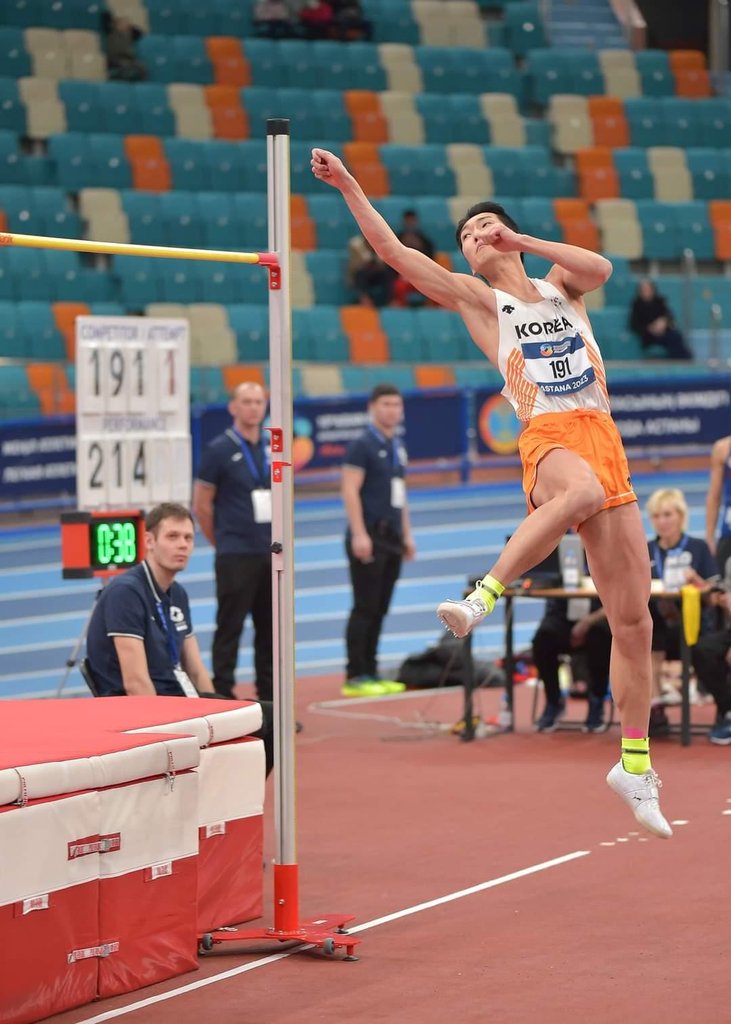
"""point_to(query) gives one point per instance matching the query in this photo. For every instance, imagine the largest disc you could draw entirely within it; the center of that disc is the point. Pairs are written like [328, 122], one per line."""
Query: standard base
[327, 932]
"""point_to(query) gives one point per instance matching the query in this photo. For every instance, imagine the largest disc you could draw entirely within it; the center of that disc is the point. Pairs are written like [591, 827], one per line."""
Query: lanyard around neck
[260, 476]
[669, 553]
[165, 624]
[386, 441]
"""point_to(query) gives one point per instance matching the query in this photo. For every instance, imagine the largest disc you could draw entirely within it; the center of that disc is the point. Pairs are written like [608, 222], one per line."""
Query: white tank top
[548, 356]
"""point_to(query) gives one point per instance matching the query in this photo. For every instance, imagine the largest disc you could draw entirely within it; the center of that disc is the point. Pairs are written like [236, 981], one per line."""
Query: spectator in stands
[652, 321]
[140, 640]
[378, 536]
[232, 501]
[719, 491]
[676, 559]
[350, 24]
[122, 60]
[410, 234]
[317, 19]
[367, 274]
[568, 625]
[274, 19]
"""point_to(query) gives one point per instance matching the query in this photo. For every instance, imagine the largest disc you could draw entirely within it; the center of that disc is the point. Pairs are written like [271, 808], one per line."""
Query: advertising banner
[37, 458]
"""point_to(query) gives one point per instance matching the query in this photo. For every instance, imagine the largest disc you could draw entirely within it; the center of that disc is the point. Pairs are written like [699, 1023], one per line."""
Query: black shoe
[552, 714]
[659, 724]
[595, 717]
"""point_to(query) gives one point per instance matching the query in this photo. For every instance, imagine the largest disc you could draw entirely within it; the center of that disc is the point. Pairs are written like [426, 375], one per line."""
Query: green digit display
[113, 543]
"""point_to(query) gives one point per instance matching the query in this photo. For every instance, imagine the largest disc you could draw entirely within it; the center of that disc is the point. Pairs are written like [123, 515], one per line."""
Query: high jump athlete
[575, 473]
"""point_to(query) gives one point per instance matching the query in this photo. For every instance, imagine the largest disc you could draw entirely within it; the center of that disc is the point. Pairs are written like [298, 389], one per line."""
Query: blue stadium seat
[635, 179]
[70, 156]
[43, 340]
[121, 107]
[620, 288]
[709, 173]
[300, 67]
[422, 170]
[695, 229]
[233, 283]
[250, 323]
[586, 74]
[182, 280]
[508, 171]
[655, 74]
[440, 71]
[156, 116]
[188, 164]
[333, 121]
[333, 221]
[661, 239]
[29, 276]
[12, 110]
[16, 62]
[303, 180]
[329, 343]
[327, 270]
[404, 335]
[84, 107]
[58, 217]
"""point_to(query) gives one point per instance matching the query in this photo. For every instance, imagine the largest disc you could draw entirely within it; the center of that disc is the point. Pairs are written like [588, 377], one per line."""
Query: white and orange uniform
[556, 382]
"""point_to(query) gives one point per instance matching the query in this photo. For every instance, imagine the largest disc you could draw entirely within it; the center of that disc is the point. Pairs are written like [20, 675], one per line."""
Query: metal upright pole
[280, 382]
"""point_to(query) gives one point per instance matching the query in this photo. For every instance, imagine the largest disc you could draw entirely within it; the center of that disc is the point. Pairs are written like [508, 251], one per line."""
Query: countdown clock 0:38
[132, 411]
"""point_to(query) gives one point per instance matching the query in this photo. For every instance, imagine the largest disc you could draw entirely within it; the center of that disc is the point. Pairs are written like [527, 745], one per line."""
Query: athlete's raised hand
[328, 168]
[503, 238]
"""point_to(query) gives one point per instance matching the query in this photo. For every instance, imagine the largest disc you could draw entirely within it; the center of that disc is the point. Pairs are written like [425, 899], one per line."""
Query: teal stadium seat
[188, 164]
[181, 280]
[27, 275]
[63, 14]
[20, 211]
[418, 170]
[613, 336]
[435, 220]
[108, 167]
[333, 221]
[303, 180]
[302, 343]
[265, 62]
[647, 123]
[137, 281]
[714, 118]
[191, 60]
[349, 65]
[251, 214]
[16, 62]
[12, 110]
[184, 228]
[17, 400]
[655, 74]
[158, 55]
[401, 376]
[393, 21]
[327, 270]
[524, 28]
[144, 216]
[587, 78]
[42, 339]
[635, 178]
[695, 229]
[539, 219]
[709, 173]
[250, 324]
[207, 386]
[443, 337]
[404, 337]
[11, 339]
[357, 379]
[546, 74]
[233, 282]
[455, 118]
[683, 127]
[708, 291]
[661, 239]
[620, 289]
[24, 13]
[536, 266]
[121, 108]
[156, 116]
[333, 121]
[300, 67]
[84, 111]
[329, 343]
[231, 167]
[215, 211]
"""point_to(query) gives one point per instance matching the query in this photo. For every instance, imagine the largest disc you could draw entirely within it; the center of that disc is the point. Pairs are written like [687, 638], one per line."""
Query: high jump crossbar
[327, 930]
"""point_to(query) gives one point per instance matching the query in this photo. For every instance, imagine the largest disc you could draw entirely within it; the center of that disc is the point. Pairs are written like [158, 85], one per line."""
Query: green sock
[488, 590]
[636, 755]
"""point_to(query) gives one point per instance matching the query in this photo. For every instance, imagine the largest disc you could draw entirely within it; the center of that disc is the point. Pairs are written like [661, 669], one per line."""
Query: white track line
[375, 923]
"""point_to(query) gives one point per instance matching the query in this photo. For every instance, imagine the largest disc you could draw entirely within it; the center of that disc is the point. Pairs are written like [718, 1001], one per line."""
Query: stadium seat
[719, 212]
[44, 340]
[404, 336]
[669, 168]
[608, 121]
[577, 226]
[655, 74]
[635, 179]
[596, 174]
[188, 164]
[660, 234]
[64, 317]
[327, 270]
[250, 324]
[321, 380]
[647, 125]
[367, 340]
[333, 221]
[620, 228]
[48, 382]
[524, 26]
[403, 73]
[695, 229]
[432, 377]
[230, 67]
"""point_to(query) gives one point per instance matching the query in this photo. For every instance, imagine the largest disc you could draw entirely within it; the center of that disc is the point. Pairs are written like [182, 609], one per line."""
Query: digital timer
[101, 543]
[114, 543]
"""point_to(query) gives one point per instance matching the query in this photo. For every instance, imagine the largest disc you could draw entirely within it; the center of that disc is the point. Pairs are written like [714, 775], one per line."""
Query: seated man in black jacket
[140, 639]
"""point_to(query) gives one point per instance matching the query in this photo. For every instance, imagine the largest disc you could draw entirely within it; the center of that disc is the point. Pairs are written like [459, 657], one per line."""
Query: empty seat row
[665, 173]
[49, 53]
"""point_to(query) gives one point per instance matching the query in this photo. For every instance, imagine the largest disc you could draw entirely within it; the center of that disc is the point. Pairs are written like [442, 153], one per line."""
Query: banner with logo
[37, 459]
[434, 428]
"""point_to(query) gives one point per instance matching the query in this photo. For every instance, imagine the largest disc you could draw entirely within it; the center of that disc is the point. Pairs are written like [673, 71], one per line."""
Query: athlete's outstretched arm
[576, 270]
[448, 289]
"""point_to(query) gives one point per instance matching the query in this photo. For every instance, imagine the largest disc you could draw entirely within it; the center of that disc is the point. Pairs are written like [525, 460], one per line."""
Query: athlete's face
[475, 245]
[171, 545]
[248, 406]
[667, 522]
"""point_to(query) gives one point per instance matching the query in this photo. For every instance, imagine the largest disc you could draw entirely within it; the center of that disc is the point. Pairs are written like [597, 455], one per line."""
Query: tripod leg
[73, 658]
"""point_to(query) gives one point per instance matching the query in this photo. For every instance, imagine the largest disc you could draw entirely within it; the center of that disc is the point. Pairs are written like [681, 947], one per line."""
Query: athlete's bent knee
[585, 501]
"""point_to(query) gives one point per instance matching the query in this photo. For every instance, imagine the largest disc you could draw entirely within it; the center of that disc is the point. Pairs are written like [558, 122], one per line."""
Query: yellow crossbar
[126, 249]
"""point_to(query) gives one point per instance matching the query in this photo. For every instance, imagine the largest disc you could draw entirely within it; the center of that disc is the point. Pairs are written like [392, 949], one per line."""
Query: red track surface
[391, 817]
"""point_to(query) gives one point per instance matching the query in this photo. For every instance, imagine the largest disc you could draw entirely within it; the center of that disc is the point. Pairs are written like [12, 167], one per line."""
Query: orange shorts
[592, 435]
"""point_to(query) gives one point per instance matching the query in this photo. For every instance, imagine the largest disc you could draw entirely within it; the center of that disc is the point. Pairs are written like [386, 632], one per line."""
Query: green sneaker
[363, 686]
[391, 685]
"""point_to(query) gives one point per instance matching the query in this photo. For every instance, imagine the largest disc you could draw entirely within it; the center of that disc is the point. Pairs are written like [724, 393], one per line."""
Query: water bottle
[505, 714]
[571, 560]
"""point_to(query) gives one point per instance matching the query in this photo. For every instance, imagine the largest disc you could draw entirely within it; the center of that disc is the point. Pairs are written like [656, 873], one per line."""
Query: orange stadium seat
[304, 232]
[684, 59]
[608, 121]
[597, 176]
[719, 212]
[444, 260]
[237, 373]
[3, 221]
[364, 161]
[150, 167]
[368, 341]
[48, 382]
[230, 120]
[64, 315]
[693, 83]
[367, 118]
[576, 224]
[230, 67]
[430, 376]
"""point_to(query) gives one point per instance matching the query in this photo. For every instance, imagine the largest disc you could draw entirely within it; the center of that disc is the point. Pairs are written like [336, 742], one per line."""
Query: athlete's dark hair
[380, 390]
[486, 207]
[166, 510]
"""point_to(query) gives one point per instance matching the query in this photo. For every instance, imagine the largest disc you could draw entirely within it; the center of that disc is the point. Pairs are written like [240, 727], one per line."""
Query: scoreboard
[132, 412]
